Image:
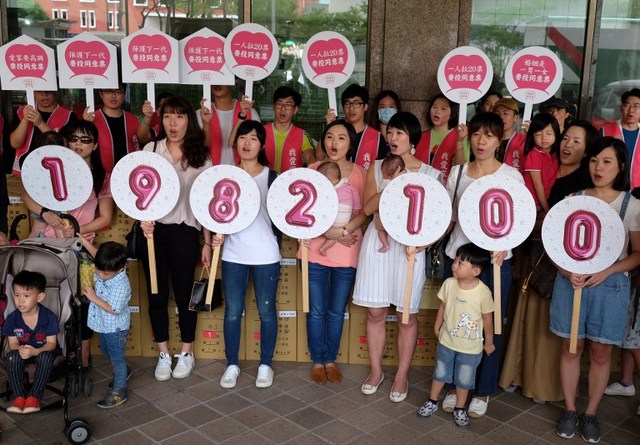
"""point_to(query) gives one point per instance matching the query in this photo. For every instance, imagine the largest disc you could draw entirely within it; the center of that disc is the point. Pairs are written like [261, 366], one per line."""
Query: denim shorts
[456, 367]
[603, 309]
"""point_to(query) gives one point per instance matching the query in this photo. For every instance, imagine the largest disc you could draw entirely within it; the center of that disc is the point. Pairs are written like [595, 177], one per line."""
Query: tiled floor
[295, 410]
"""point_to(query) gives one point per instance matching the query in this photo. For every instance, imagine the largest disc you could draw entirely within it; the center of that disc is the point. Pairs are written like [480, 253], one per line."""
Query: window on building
[113, 1]
[112, 20]
[92, 19]
[140, 2]
[84, 19]
[55, 14]
[64, 14]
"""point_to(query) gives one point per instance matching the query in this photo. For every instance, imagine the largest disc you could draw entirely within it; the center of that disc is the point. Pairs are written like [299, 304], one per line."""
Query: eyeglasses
[83, 139]
[285, 106]
[111, 92]
[352, 104]
[626, 106]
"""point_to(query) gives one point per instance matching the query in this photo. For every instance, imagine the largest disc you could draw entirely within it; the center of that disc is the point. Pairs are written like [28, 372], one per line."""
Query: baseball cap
[507, 103]
[557, 102]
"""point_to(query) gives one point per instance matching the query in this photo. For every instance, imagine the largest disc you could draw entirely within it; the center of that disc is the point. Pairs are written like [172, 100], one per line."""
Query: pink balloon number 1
[56, 173]
[224, 207]
[582, 235]
[145, 183]
[415, 193]
[298, 215]
[496, 213]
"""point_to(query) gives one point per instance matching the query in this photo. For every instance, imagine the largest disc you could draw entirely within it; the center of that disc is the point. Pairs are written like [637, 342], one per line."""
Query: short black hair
[247, 127]
[284, 91]
[477, 256]
[30, 280]
[111, 257]
[407, 122]
[621, 182]
[488, 121]
[350, 131]
[355, 90]
[635, 92]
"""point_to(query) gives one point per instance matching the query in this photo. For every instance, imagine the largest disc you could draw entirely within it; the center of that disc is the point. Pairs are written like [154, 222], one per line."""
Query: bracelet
[43, 211]
[241, 117]
[208, 244]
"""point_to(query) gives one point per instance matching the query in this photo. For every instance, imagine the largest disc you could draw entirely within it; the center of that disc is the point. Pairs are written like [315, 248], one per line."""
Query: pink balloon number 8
[298, 215]
[56, 173]
[144, 182]
[224, 206]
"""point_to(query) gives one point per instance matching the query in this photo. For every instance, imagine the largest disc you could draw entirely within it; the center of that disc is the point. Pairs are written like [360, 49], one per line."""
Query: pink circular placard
[328, 59]
[465, 74]
[251, 52]
[533, 74]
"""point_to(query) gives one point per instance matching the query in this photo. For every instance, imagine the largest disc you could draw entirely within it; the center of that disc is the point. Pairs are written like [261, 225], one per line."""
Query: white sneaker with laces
[184, 367]
[618, 389]
[449, 403]
[163, 368]
[264, 379]
[478, 407]
[230, 377]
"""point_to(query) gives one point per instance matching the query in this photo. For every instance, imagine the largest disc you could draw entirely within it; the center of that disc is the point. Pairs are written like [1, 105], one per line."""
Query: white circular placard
[225, 199]
[465, 74]
[533, 74]
[497, 213]
[302, 203]
[415, 209]
[583, 234]
[145, 185]
[57, 178]
[251, 52]
[328, 59]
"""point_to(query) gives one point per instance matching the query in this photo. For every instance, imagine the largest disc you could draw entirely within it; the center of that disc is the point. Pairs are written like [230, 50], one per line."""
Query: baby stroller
[58, 260]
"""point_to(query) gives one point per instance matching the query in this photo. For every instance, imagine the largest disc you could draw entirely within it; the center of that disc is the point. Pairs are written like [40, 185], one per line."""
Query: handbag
[197, 302]
[133, 238]
[541, 277]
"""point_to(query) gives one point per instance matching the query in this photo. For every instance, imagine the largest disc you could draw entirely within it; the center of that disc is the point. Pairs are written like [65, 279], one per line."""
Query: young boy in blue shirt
[110, 317]
[31, 331]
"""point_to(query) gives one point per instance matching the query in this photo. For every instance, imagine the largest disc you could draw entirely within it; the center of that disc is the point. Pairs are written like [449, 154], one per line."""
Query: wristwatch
[43, 211]
[345, 231]
[241, 117]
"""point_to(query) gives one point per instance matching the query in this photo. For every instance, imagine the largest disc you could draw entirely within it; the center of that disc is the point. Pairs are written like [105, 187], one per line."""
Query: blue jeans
[235, 278]
[112, 345]
[329, 290]
[489, 369]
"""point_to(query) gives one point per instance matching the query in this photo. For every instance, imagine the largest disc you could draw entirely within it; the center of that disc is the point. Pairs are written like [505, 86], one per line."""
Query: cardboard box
[426, 343]
[288, 247]
[133, 272]
[17, 207]
[286, 295]
[116, 231]
[209, 341]
[148, 346]
[286, 344]
[358, 348]
[303, 350]
[429, 299]
[133, 347]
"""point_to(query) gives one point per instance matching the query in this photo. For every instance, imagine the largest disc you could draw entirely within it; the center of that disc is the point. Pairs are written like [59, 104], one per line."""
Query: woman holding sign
[605, 295]
[486, 131]
[331, 274]
[381, 277]
[176, 236]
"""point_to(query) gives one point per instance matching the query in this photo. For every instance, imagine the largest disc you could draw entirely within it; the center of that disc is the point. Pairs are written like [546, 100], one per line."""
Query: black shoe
[590, 427]
[113, 399]
[129, 372]
[567, 425]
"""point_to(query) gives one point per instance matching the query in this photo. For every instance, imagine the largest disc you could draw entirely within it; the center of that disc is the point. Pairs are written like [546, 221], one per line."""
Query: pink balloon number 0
[415, 193]
[224, 207]
[145, 183]
[298, 215]
[582, 231]
[56, 173]
[496, 213]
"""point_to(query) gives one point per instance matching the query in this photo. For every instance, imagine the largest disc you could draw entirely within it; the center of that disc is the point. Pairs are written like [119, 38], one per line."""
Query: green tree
[29, 9]
[352, 24]
[285, 14]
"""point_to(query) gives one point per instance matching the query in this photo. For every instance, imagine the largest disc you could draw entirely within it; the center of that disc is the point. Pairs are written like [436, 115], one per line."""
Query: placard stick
[31, 97]
[528, 111]
[575, 318]
[305, 277]
[151, 94]
[89, 99]
[462, 114]
[206, 95]
[497, 301]
[248, 89]
[333, 104]
[153, 277]
[212, 274]
[408, 286]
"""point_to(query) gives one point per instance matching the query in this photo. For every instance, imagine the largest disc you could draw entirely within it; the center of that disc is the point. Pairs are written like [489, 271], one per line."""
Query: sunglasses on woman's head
[83, 139]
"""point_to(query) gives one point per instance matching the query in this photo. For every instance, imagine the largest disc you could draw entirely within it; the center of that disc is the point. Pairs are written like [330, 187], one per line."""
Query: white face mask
[384, 114]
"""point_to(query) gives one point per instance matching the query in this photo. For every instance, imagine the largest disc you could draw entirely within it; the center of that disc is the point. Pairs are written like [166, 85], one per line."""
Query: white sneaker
[449, 403]
[478, 407]
[230, 377]
[618, 389]
[163, 368]
[638, 412]
[264, 379]
[184, 367]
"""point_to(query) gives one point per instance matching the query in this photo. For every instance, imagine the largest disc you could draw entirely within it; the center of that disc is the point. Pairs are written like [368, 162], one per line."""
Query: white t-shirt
[631, 221]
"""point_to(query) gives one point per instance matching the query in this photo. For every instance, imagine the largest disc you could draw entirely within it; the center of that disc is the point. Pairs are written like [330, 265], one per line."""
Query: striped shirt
[116, 291]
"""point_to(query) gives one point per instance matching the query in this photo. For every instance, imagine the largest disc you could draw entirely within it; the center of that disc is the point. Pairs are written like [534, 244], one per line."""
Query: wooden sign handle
[305, 277]
[153, 277]
[497, 301]
[575, 318]
[212, 275]
[408, 288]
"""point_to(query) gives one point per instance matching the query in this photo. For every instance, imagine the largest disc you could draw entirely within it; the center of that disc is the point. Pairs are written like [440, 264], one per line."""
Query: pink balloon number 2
[298, 215]
[582, 231]
[56, 173]
[224, 207]
[415, 193]
[145, 183]
[496, 213]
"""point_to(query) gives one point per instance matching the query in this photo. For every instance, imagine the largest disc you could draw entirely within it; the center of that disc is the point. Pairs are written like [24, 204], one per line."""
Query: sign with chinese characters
[464, 76]
[87, 62]
[533, 75]
[328, 61]
[251, 52]
[28, 65]
[150, 56]
[202, 62]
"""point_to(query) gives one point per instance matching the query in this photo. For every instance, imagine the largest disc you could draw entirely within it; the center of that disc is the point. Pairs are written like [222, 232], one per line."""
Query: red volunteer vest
[291, 154]
[105, 140]
[514, 153]
[367, 151]
[215, 133]
[443, 156]
[615, 130]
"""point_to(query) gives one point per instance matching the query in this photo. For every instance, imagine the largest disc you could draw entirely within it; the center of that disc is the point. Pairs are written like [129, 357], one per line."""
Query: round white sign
[251, 52]
[583, 234]
[328, 59]
[145, 185]
[56, 178]
[497, 213]
[225, 199]
[533, 74]
[465, 74]
[302, 203]
[415, 209]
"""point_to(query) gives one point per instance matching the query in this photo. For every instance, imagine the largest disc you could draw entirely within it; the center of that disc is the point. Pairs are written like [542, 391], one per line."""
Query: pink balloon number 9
[582, 231]
[145, 183]
[298, 215]
[58, 181]
[415, 193]
[496, 213]
[224, 207]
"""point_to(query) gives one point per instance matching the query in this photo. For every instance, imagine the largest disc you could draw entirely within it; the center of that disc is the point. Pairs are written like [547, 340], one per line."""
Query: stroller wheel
[78, 431]
[88, 386]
